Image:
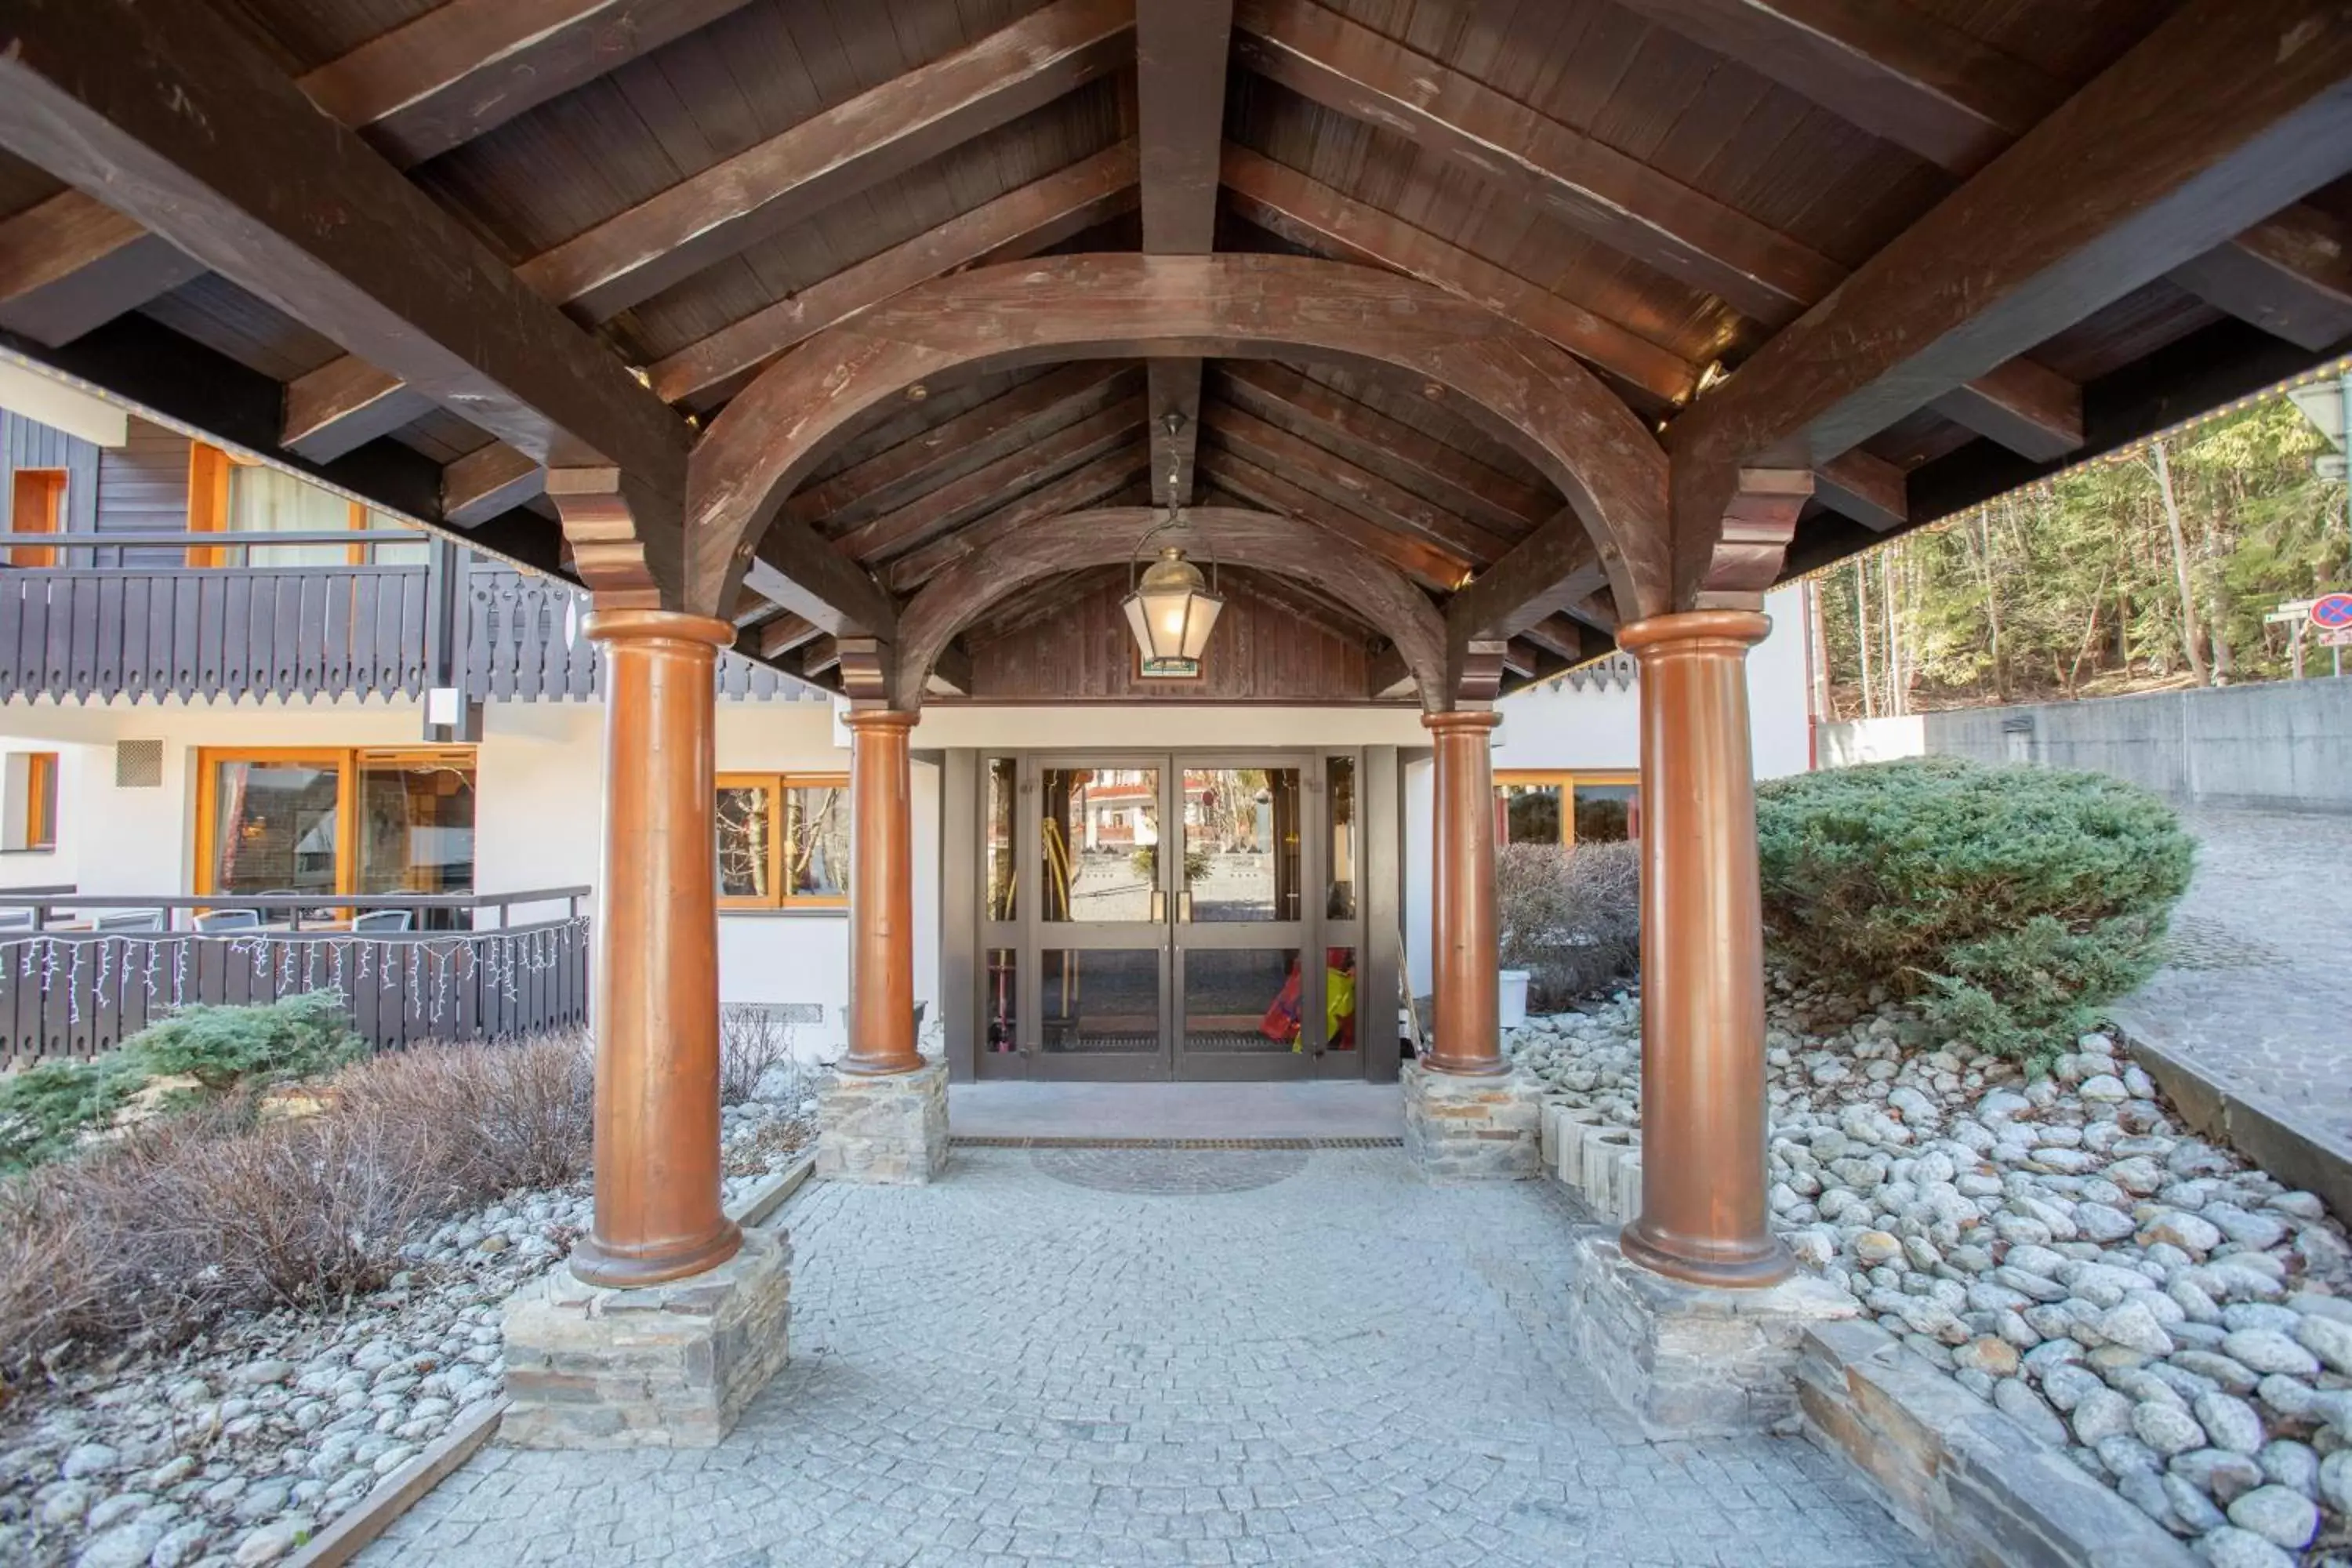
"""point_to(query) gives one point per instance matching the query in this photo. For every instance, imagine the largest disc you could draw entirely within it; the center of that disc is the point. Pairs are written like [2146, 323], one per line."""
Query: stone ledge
[1690, 1361]
[1960, 1474]
[660, 1366]
[890, 1130]
[1459, 1128]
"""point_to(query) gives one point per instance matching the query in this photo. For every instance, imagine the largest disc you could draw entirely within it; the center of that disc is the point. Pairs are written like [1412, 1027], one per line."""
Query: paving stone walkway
[1171, 1357]
[2258, 989]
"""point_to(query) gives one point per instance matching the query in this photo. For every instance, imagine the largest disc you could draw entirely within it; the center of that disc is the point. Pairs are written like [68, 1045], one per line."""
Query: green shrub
[46, 1109]
[219, 1046]
[1570, 917]
[2010, 903]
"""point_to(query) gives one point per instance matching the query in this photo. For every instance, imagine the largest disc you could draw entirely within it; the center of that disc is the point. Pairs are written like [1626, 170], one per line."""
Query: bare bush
[495, 1117]
[1570, 917]
[752, 1039]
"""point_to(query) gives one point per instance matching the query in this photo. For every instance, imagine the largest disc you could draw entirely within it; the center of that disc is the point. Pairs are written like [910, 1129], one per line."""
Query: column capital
[1461, 719]
[622, 626]
[1738, 630]
[880, 719]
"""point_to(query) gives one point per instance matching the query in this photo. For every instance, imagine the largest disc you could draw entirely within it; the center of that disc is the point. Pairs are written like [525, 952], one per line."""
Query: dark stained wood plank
[1181, 48]
[2098, 199]
[480, 485]
[995, 429]
[1372, 441]
[344, 404]
[294, 208]
[1870, 490]
[1896, 71]
[464, 67]
[1586, 183]
[2292, 276]
[1039, 213]
[2031, 410]
[786, 633]
[1081, 487]
[1553, 566]
[1431, 565]
[833, 154]
[962, 500]
[1319, 217]
[1342, 483]
[72, 263]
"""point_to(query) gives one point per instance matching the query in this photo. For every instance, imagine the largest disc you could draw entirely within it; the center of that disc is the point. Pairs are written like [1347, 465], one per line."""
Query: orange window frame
[36, 505]
[209, 471]
[779, 788]
[1567, 783]
[347, 762]
[40, 800]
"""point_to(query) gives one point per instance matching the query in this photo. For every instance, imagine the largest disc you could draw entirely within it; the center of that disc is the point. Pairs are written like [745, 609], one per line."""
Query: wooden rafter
[1429, 565]
[1181, 49]
[72, 263]
[1901, 74]
[1551, 568]
[1088, 485]
[961, 499]
[1371, 439]
[2100, 198]
[297, 210]
[1313, 214]
[996, 428]
[1341, 483]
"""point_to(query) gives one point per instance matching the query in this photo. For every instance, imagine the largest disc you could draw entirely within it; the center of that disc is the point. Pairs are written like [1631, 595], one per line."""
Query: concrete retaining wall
[2284, 746]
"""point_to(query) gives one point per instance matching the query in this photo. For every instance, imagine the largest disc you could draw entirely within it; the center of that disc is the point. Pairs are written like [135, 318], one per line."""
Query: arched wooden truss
[1232, 536]
[1530, 392]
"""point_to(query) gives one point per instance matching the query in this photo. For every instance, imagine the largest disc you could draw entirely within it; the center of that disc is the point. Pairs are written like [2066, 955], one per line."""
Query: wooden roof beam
[785, 634]
[2263, 96]
[71, 264]
[470, 65]
[1089, 485]
[1342, 483]
[961, 499]
[1543, 573]
[996, 428]
[1870, 490]
[1301, 210]
[1430, 565]
[1493, 137]
[296, 210]
[1181, 49]
[1372, 441]
[1906, 76]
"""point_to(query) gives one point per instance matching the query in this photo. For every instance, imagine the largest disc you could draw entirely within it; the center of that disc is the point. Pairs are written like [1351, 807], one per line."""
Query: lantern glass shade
[1171, 613]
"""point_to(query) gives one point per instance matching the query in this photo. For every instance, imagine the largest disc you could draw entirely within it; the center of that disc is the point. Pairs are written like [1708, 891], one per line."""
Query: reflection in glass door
[1245, 998]
[1102, 921]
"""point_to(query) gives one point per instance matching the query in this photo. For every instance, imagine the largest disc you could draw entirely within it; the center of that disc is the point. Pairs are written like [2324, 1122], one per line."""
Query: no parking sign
[2332, 614]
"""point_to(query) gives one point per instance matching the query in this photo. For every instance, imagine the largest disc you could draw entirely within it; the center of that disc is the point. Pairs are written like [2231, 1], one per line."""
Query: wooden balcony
[122, 616]
[80, 972]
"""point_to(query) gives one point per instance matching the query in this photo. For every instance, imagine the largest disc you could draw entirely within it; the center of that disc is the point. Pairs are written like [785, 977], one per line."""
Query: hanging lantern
[1171, 612]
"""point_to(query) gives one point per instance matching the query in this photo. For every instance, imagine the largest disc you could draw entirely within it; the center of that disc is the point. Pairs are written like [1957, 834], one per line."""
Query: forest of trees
[2147, 570]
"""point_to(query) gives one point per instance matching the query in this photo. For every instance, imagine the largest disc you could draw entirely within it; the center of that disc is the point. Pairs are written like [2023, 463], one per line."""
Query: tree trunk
[1862, 636]
[1817, 655]
[1982, 539]
[2179, 565]
[1892, 619]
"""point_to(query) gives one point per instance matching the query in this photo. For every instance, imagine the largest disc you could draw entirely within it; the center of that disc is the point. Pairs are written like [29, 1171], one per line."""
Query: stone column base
[1459, 1128]
[891, 1129]
[1692, 1361]
[660, 1366]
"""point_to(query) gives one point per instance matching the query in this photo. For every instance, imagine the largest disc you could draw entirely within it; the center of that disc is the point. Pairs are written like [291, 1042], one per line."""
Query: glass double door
[1186, 921]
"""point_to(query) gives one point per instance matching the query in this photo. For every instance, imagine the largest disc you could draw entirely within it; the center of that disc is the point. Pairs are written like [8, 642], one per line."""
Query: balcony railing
[77, 977]
[90, 632]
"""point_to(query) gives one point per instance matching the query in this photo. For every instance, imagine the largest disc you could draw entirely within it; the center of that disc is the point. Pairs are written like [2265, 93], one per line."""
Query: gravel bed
[2178, 1319]
[238, 1447]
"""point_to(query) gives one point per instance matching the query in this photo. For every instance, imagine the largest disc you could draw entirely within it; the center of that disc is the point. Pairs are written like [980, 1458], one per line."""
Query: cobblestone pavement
[1337, 1365]
[2259, 983]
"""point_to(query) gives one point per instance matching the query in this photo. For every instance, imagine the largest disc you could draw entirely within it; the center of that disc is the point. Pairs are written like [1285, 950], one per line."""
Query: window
[335, 820]
[1566, 808]
[36, 505]
[783, 840]
[32, 800]
[229, 494]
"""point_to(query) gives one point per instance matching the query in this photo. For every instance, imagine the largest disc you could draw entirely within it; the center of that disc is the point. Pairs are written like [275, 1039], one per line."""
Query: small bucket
[1513, 1010]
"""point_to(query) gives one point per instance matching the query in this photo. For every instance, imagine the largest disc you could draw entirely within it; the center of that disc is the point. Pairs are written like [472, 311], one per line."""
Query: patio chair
[378, 920]
[228, 919]
[132, 919]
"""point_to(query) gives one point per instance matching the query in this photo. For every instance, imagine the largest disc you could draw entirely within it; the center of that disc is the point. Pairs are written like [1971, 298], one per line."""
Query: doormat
[964, 1142]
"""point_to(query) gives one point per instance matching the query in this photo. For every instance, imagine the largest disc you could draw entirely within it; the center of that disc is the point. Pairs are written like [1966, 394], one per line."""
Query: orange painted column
[1464, 932]
[1703, 1109]
[881, 895]
[659, 1213]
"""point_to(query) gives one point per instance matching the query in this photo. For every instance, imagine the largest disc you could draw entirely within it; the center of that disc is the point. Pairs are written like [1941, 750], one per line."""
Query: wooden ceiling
[1784, 233]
